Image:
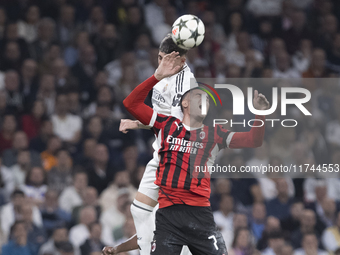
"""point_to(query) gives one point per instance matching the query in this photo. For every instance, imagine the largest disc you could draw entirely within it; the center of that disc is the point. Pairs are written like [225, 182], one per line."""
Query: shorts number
[215, 241]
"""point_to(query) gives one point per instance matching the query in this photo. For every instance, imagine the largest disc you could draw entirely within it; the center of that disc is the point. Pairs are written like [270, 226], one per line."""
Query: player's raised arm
[254, 137]
[134, 102]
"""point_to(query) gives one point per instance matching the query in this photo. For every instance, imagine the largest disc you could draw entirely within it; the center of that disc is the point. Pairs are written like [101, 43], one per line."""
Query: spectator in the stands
[49, 156]
[39, 143]
[224, 216]
[93, 243]
[9, 126]
[21, 168]
[134, 27]
[13, 211]
[60, 235]
[242, 243]
[60, 176]
[331, 236]
[71, 53]
[272, 225]
[333, 55]
[109, 196]
[310, 245]
[307, 225]
[73, 195]
[19, 244]
[80, 232]
[84, 70]
[317, 68]
[279, 206]
[101, 172]
[65, 125]
[46, 32]
[36, 234]
[31, 123]
[90, 198]
[96, 20]
[20, 142]
[107, 45]
[28, 28]
[292, 222]
[28, 82]
[35, 186]
[52, 215]
[275, 244]
[12, 89]
[47, 92]
[258, 219]
[52, 53]
[66, 26]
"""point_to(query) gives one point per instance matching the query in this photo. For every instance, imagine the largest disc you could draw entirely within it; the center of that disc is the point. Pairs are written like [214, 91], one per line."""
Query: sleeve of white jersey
[183, 82]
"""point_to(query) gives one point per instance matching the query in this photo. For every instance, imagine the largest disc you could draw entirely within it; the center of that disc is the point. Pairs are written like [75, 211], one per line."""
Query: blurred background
[68, 176]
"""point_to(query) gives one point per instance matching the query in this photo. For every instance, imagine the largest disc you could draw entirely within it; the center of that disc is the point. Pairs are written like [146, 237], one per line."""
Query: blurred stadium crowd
[68, 176]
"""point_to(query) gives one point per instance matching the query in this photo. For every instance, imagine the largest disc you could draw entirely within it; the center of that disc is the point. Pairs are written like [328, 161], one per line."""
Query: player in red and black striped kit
[185, 217]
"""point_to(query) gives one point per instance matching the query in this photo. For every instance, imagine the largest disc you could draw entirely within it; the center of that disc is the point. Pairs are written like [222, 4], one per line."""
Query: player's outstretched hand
[170, 65]
[109, 250]
[260, 101]
[126, 125]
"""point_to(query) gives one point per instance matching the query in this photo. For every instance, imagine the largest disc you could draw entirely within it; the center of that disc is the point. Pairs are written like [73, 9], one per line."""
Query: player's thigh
[147, 185]
[205, 238]
[165, 243]
[209, 244]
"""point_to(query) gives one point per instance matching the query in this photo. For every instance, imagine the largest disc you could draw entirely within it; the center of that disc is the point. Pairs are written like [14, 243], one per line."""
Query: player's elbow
[126, 103]
[257, 143]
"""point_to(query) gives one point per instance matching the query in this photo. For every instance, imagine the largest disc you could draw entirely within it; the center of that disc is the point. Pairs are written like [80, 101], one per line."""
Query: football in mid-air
[188, 31]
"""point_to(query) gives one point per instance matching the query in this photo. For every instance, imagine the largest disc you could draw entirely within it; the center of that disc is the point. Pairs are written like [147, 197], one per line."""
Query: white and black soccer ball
[188, 31]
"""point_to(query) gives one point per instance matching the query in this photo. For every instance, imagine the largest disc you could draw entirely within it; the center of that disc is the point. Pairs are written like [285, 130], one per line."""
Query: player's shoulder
[181, 81]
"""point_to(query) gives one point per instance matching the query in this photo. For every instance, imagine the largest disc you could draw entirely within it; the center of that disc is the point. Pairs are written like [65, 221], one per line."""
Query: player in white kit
[166, 97]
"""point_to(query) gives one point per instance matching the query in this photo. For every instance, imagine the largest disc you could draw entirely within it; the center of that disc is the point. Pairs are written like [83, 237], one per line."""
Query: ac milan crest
[202, 135]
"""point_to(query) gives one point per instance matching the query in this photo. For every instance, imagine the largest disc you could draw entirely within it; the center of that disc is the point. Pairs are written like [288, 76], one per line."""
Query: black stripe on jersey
[167, 164]
[176, 84]
[192, 159]
[182, 81]
[179, 163]
[159, 119]
[220, 133]
[210, 140]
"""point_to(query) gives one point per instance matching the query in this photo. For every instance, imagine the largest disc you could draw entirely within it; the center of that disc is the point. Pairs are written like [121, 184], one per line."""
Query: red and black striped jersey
[181, 150]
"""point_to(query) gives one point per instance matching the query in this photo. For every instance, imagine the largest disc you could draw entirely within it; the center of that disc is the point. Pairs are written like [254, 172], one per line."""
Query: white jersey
[167, 93]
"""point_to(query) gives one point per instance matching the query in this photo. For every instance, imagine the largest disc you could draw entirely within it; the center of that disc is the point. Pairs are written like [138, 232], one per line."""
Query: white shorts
[147, 185]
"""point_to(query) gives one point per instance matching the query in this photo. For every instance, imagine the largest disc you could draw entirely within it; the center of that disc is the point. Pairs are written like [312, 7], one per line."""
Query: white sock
[144, 219]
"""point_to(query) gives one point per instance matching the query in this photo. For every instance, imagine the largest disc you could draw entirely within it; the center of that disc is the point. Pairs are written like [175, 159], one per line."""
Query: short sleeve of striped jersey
[158, 121]
[223, 136]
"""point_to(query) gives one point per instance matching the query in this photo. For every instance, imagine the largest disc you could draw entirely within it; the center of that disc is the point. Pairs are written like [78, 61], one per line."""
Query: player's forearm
[134, 102]
[251, 139]
[129, 245]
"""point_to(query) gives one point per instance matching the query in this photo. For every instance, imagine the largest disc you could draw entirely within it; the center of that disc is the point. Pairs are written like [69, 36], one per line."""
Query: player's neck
[192, 122]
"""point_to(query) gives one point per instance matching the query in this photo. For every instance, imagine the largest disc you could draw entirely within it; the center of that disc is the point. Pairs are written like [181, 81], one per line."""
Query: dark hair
[237, 233]
[66, 247]
[275, 235]
[168, 45]
[28, 176]
[16, 223]
[17, 192]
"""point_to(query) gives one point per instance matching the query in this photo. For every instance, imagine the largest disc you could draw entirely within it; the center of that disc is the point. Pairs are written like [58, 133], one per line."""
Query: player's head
[167, 46]
[191, 103]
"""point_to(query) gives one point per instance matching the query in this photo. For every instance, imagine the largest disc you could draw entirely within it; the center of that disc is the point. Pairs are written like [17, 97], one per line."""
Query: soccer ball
[188, 31]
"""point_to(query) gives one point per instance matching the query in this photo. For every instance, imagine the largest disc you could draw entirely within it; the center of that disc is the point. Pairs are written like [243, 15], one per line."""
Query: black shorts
[193, 226]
